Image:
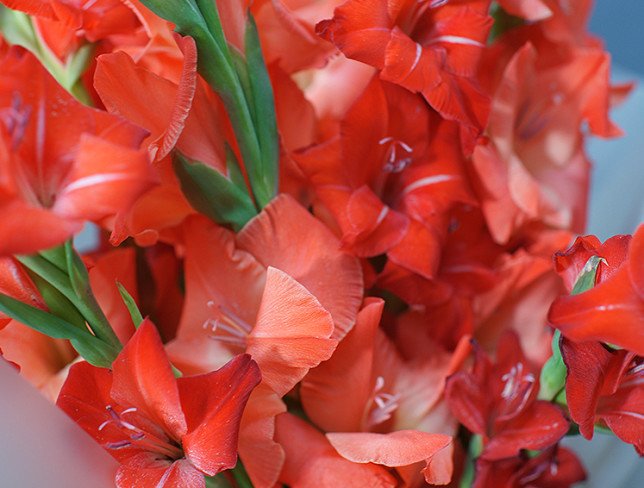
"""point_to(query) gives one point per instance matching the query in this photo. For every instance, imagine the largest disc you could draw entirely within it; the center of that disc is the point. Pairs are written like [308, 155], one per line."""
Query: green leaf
[586, 279]
[77, 272]
[241, 476]
[137, 318]
[239, 64]
[234, 171]
[210, 15]
[183, 13]
[473, 452]
[85, 303]
[212, 194]
[251, 113]
[57, 303]
[56, 256]
[264, 178]
[553, 374]
[90, 347]
[214, 59]
[218, 481]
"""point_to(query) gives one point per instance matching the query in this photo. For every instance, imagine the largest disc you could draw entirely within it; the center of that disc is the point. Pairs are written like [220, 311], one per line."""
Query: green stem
[241, 476]
[88, 307]
[473, 452]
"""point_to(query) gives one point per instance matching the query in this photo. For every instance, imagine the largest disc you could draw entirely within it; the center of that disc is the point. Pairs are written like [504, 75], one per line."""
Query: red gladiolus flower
[605, 385]
[429, 47]
[555, 467]
[499, 403]
[613, 310]
[164, 431]
[389, 178]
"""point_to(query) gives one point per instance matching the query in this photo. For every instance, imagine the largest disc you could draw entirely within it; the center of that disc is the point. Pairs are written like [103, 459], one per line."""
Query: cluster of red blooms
[338, 218]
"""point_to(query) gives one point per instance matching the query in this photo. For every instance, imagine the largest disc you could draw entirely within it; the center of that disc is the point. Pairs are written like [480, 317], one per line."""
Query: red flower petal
[539, 426]
[636, 261]
[592, 315]
[213, 404]
[586, 363]
[528, 9]
[147, 471]
[143, 379]
[263, 457]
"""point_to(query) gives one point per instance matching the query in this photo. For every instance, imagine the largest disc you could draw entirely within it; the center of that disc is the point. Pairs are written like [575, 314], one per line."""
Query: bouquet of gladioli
[321, 242]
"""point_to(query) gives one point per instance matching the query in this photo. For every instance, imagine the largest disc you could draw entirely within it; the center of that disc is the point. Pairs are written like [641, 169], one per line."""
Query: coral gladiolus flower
[61, 162]
[312, 461]
[528, 9]
[250, 293]
[378, 408]
[164, 431]
[499, 403]
[613, 310]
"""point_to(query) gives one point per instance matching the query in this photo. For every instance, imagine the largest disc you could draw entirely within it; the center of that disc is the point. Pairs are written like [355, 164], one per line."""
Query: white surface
[41, 446]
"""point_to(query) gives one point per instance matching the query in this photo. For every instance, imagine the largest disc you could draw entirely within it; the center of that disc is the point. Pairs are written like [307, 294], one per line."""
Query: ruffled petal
[292, 333]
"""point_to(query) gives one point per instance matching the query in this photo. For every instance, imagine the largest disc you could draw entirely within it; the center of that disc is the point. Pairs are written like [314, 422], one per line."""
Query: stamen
[118, 445]
[227, 326]
[385, 403]
[394, 161]
[137, 438]
[15, 119]
[517, 387]
[513, 379]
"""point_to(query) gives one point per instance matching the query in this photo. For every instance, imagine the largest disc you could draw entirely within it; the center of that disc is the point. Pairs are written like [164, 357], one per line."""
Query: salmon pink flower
[467, 270]
[377, 408]
[532, 10]
[498, 402]
[534, 170]
[163, 430]
[252, 293]
[312, 461]
[16, 283]
[287, 32]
